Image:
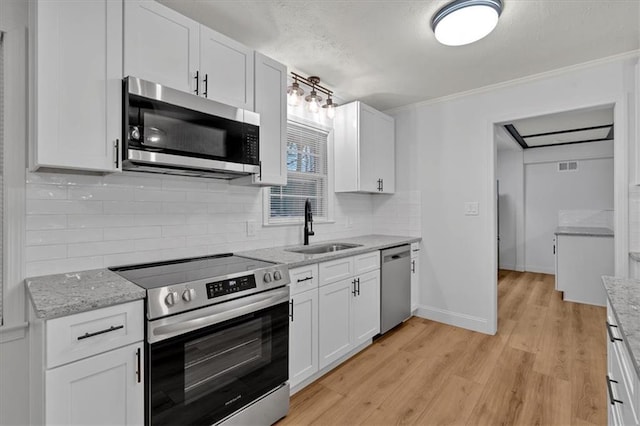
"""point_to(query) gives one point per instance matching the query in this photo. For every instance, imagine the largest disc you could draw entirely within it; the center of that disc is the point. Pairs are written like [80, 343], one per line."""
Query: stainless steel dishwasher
[395, 287]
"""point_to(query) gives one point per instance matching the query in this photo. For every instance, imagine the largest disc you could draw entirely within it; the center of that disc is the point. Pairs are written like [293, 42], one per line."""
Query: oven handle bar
[167, 328]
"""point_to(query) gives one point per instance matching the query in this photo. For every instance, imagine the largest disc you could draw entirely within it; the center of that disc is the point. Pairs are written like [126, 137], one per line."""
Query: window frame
[267, 221]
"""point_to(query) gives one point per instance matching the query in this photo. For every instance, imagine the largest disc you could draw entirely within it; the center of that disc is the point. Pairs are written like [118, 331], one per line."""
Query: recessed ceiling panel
[578, 119]
[570, 137]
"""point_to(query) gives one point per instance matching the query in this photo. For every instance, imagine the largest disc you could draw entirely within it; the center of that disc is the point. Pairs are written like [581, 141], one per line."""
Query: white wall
[457, 163]
[548, 191]
[510, 174]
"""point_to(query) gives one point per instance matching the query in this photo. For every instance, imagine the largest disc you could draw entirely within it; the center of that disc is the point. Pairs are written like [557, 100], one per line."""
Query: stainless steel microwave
[172, 132]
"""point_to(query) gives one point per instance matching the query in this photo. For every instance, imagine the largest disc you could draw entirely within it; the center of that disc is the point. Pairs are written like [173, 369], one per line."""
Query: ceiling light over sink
[294, 95]
[465, 21]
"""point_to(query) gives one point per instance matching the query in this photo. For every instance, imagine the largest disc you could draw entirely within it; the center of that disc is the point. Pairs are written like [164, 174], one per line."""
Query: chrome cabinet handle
[97, 333]
[612, 338]
[413, 266]
[354, 288]
[206, 85]
[291, 314]
[358, 282]
[300, 280]
[197, 77]
[610, 389]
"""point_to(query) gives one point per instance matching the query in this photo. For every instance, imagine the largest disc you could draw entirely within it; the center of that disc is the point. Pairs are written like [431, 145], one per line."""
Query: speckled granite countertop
[635, 255]
[65, 294]
[367, 242]
[588, 231]
[624, 295]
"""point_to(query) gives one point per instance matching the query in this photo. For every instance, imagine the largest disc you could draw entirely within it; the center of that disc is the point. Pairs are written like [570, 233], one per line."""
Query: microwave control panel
[230, 286]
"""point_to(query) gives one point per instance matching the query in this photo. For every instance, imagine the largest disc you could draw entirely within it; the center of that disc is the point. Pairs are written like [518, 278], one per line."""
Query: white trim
[456, 319]
[15, 45]
[14, 332]
[518, 81]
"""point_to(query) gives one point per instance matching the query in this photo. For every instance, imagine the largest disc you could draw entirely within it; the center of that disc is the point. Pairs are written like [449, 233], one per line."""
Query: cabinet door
[271, 104]
[227, 67]
[366, 308]
[369, 164]
[385, 151]
[78, 84]
[415, 281]
[303, 337]
[160, 45]
[334, 321]
[105, 389]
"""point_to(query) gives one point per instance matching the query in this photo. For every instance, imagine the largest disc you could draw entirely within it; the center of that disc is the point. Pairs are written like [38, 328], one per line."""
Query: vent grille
[568, 166]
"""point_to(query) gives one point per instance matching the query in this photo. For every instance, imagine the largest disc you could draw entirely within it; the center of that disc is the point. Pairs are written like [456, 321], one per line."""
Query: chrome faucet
[308, 222]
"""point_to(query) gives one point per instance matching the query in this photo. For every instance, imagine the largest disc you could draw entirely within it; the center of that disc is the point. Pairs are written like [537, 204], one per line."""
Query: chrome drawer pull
[304, 279]
[612, 338]
[112, 328]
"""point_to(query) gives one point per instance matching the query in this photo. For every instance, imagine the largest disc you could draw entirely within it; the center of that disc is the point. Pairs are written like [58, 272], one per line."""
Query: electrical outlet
[251, 228]
[471, 208]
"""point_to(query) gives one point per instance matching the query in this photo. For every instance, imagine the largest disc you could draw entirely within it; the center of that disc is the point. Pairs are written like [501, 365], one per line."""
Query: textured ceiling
[384, 52]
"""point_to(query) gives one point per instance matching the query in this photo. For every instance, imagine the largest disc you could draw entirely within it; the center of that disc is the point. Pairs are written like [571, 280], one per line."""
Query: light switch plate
[471, 208]
[251, 228]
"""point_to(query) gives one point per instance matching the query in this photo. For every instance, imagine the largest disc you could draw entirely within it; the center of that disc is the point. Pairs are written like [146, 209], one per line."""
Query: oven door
[202, 376]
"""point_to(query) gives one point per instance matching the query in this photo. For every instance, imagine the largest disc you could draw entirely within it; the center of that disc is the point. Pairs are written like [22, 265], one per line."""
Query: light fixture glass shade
[294, 93]
[330, 107]
[313, 102]
[465, 21]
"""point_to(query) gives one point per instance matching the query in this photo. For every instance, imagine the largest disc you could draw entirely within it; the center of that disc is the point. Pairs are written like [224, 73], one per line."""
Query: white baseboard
[540, 269]
[456, 319]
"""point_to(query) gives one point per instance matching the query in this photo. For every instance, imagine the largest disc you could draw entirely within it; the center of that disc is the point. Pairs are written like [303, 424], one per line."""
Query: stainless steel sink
[324, 248]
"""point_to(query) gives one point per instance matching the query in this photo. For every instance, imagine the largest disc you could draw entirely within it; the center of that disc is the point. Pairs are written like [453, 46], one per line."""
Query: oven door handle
[166, 328]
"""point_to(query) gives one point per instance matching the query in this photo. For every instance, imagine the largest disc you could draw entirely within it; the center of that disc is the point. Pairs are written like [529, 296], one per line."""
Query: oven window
[214, 361]
[203, 376]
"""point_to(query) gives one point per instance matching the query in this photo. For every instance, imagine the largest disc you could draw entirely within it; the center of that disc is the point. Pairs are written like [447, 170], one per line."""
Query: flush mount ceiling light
[465, 21]
[294, 94]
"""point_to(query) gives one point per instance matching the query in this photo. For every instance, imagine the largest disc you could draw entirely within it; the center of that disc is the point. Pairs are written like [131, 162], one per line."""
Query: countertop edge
[635, 358]
[326, 257]
[585, 231]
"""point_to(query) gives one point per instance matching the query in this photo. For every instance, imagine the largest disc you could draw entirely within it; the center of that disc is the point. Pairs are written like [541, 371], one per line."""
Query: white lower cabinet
[335, 321]
[103, 389]
[303, 336]
[349, 309]
[622, 379]
[88, 368]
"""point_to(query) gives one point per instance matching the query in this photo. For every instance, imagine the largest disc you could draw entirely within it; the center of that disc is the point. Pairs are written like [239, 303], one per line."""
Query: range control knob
[277, 275]
[171, 298]
[188, 295]
[267, 277]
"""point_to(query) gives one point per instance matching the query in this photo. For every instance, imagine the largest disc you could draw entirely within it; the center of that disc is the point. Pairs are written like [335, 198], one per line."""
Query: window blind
[306, 176]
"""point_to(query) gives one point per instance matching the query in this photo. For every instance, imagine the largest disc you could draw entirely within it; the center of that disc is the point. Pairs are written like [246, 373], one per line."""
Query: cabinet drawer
[303, 278]
[81, 335]
[335, 270]
[366, 262]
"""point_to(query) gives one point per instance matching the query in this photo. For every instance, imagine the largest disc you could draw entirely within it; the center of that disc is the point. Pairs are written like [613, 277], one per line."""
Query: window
[306, 177]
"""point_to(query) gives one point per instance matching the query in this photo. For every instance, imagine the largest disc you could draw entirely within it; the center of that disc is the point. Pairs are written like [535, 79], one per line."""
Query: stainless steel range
[217, 340]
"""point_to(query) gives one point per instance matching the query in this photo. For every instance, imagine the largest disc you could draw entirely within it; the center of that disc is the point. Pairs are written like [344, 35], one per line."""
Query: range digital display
[234, 285]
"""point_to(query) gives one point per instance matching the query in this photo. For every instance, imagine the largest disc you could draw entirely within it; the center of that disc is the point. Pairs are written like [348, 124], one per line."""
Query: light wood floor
[545, 366]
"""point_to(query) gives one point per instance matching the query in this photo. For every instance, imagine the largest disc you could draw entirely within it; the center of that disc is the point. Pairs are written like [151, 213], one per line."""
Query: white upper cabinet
[76, 52]
[168, 48]
[364, 149]
[226, 68]
[161, 45]
[271, 104]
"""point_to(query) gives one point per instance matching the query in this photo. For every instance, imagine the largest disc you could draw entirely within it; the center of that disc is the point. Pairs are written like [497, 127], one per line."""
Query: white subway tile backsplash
[99, 221]
[63, 207]
[100, 248]
[46, 221]
[56, 251]
[77, 222]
